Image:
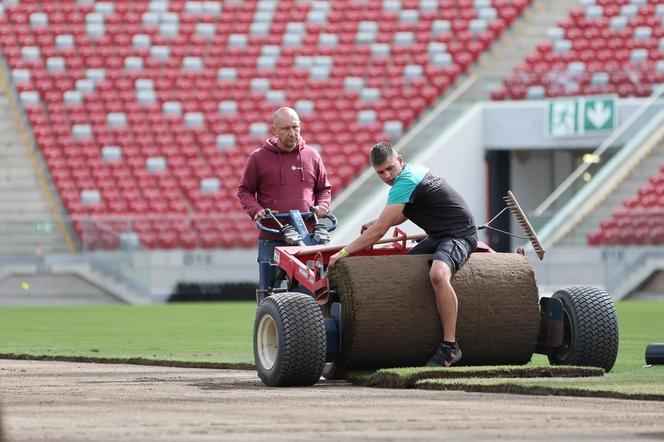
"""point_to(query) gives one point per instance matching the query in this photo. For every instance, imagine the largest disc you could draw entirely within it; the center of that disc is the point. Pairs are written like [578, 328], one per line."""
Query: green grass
[641, 322]
[196, 332]
[220, 334]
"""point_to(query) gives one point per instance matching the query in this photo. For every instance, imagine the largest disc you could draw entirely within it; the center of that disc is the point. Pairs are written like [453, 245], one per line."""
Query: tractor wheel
[289, 340]
[591, 329]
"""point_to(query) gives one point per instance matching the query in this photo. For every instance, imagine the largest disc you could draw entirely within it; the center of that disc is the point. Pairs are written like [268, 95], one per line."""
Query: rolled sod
[389, 316]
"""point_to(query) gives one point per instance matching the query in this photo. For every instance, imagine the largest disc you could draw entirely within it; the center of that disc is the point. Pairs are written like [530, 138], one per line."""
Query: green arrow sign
[599, 114]
[581, 116]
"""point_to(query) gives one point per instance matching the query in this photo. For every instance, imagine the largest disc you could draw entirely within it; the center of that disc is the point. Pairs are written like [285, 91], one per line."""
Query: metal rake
[518, 213]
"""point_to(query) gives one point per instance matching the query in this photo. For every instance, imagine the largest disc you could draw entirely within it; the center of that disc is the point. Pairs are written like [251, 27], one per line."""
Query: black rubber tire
[655, 354]
[591, 329]
[289, 340]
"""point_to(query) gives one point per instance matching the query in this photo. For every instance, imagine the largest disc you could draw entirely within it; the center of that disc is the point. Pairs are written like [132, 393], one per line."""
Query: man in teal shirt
[434, 206]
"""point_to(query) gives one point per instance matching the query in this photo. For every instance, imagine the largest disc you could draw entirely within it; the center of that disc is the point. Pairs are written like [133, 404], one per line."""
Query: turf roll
[389, 316]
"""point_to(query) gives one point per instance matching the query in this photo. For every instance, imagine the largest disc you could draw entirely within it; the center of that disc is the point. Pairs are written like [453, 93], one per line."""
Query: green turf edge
[133, 361]
[506, 386]
[408, 377]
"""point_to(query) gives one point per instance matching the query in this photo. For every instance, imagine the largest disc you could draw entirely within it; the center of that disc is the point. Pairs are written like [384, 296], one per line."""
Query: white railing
[443, 105]
[608, 142]
[575, 198]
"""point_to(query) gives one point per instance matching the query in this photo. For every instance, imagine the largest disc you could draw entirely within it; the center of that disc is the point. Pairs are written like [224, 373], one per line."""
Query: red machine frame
[307, 264]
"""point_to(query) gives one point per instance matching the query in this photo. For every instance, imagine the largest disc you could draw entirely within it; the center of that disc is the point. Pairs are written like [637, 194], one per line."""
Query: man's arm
[247, 189]
[392, 215]
[322, 190]
[366, 225]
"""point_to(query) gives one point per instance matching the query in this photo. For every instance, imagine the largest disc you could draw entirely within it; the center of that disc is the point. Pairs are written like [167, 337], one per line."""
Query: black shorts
[452, 251]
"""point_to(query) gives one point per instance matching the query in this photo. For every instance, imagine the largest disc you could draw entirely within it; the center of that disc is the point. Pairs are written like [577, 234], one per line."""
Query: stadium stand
[145, 111]
[604, 46]
[640, 219]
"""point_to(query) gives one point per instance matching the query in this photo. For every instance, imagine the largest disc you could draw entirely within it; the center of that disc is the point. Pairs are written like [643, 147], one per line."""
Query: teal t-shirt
[431, 203]
[406, 183]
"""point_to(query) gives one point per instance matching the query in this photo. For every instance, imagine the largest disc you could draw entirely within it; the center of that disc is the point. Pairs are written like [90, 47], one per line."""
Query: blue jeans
[266, 267]
[265, 262]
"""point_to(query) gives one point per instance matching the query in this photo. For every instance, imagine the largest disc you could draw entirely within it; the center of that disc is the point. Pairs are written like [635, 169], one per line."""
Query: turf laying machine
[376, 309]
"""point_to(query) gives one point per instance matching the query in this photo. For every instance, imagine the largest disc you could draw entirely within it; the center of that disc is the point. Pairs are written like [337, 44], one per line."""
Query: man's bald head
[284, 112]
[286, 126]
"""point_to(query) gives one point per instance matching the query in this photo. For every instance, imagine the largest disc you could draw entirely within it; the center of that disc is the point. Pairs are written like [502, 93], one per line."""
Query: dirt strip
[132, 361]
[49, 400]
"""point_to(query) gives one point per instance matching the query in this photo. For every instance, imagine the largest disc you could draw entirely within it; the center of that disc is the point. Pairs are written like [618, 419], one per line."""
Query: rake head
[520, 216]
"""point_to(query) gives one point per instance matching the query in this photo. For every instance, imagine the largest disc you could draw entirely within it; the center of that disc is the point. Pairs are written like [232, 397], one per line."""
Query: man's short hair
[381, 152]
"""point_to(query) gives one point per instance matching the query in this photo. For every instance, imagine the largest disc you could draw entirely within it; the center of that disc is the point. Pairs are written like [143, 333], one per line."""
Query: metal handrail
[583, 167]
[119, 277]
[403, 141]
[606, 178]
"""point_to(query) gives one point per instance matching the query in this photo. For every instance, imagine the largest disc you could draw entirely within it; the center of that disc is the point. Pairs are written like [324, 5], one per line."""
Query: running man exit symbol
[562, 118]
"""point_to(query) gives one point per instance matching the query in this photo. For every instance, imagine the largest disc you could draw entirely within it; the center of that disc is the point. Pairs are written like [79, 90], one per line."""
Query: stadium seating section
[640, 219]
[604, 46]
[147, 110]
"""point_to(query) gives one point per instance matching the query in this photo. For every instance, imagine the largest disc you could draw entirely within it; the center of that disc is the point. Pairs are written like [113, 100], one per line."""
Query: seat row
[136, 119]
[638, 221]
[600, 48]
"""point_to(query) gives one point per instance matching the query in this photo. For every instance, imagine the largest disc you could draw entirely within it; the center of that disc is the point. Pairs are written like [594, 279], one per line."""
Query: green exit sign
[581, 116]
[43, 227]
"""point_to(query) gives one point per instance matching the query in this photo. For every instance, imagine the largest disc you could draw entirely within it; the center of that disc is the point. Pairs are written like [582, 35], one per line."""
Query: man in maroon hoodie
[283, 174]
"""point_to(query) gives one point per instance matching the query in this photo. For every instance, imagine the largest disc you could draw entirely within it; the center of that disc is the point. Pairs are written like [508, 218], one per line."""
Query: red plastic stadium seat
[602, 49]
[638, 221]
[191, 153]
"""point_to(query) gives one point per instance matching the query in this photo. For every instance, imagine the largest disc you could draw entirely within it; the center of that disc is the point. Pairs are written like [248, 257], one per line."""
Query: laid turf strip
[411, 377]
[390, 320]
[549, 387]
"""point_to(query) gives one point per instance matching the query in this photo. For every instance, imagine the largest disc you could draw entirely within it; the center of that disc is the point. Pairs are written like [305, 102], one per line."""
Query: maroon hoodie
[283, 181]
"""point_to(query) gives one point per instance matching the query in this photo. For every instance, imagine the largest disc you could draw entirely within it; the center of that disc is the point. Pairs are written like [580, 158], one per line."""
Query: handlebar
[305, 215]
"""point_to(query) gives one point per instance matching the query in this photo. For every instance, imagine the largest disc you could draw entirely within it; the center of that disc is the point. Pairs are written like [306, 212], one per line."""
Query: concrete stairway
[26, 218]
[510, 50]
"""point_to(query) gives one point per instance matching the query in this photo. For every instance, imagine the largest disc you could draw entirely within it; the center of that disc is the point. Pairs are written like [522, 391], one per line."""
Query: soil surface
[49, 400]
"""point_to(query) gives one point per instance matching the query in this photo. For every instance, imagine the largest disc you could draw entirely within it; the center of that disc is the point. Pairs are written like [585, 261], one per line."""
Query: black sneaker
[445, 356]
